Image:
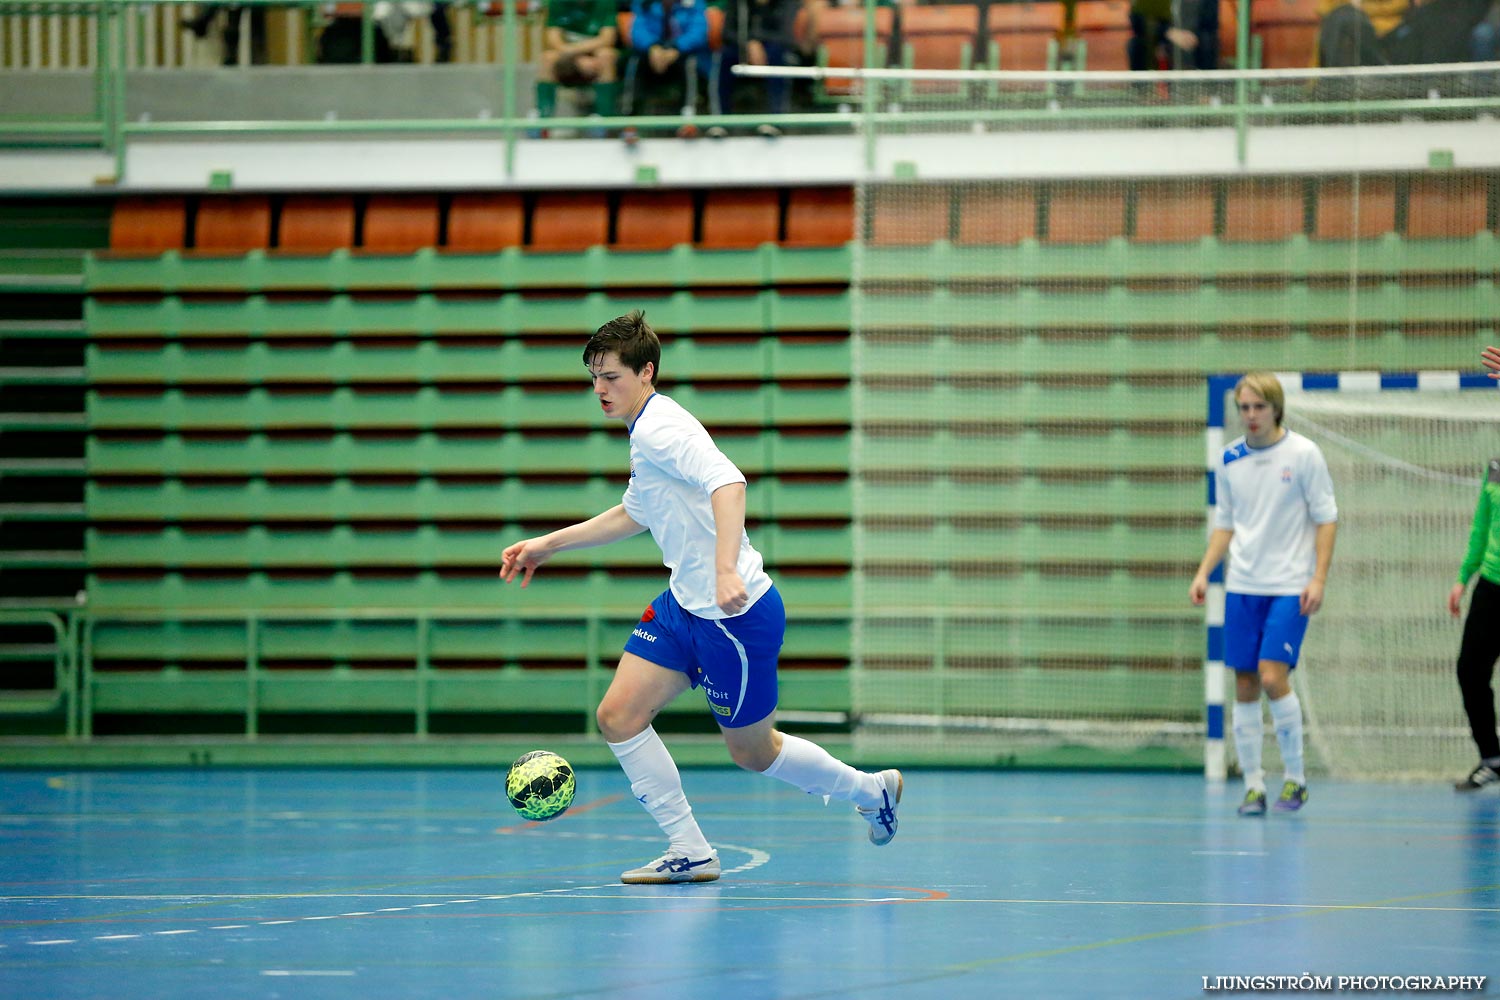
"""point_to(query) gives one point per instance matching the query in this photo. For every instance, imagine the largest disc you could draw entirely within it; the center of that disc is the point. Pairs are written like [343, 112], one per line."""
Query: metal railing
[882, 102]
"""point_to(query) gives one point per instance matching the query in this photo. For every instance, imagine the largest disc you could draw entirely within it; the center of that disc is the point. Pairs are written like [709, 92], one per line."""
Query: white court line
[756, 858]
[307, 972]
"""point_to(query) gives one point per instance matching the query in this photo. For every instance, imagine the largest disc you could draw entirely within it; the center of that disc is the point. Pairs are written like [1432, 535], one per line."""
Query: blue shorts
[1261, 627]
[733, 659]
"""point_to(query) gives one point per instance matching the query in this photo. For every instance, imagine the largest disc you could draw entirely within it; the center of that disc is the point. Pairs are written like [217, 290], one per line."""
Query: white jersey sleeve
[675, 467]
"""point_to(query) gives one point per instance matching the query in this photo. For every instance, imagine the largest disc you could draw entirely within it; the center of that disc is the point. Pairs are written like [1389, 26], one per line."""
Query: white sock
[657, 786]
[1286, 716]
[817, 772]
[1249, 731]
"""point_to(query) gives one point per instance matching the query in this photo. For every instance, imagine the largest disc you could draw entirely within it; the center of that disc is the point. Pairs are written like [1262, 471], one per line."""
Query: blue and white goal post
[1221, 418]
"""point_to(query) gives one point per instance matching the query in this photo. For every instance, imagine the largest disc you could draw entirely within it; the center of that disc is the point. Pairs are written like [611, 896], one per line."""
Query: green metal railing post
[592, 672]
[1241, 85]
[367, 33]
[424, 669]
[117, 93]
[86, 681]
[73, 685]
[252, 676]
[869, 92]
[509, 74]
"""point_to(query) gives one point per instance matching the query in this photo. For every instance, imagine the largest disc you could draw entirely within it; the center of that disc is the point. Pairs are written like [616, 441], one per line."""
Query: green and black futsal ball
[540, 785]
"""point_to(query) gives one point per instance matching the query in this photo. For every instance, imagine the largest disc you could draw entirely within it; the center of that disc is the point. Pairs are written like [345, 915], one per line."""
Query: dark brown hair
[630, 337]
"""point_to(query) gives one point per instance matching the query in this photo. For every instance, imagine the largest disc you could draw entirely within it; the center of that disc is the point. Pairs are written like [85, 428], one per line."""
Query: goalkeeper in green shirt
[1481, 642]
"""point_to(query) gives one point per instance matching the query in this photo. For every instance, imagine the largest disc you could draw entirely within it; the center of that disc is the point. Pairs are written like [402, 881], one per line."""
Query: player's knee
[618, 723]
[752, 758]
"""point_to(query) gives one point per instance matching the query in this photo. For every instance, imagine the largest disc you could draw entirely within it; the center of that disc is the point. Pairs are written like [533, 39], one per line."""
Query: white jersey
[674, 469]
[1273, 499]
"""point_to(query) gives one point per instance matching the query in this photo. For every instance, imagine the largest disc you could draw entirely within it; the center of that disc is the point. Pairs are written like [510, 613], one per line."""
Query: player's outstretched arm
[1490, 357]
[526, 555]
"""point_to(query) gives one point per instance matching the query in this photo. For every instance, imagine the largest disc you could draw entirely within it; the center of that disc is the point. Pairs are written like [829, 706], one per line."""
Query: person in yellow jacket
[1352, 30]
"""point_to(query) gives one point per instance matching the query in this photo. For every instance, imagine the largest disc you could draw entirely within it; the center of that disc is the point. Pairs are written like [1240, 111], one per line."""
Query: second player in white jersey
[1272, 498]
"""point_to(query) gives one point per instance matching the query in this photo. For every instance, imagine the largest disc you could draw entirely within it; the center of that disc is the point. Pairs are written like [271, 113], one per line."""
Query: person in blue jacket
[668, 40]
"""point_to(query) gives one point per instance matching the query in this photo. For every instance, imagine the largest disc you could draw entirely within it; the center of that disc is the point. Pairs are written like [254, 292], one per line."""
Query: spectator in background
[1185, 32]
[1352, 32]
[760, 33]
[1484, 40]
[1436, 31]
[669, 43]
[206, 15]
[442, 32]
[579, 49]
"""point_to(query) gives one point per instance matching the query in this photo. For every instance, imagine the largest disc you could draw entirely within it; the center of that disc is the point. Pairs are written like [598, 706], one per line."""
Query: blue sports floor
[315, 884]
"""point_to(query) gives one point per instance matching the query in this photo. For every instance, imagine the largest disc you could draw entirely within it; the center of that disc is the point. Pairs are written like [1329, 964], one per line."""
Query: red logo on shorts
[648, 614]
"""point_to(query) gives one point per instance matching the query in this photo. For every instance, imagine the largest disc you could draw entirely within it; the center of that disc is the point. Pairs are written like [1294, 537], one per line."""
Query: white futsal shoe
[672, 867]
[882, 819]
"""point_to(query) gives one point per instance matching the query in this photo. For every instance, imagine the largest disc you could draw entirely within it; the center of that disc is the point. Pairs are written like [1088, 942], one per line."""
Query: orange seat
[1021, 34]
[400, 223]
[1451, 207]
[1001, 216]
[1083, 213]
[233, 224]
[909, 216]
[1104, 27]
[316, 223]
[740, 218]
[1346, 210]
[841, 42]
[1173, 212]
[654, 220]
[485, 223]
[570, 221]
[820, 217]
[1262, 210]
[939, 37]
[148, 225]
[1229, 32]
[1288, 32]
[715, 18]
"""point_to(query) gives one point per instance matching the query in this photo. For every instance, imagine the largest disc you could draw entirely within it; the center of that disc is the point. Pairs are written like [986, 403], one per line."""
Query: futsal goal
[1407, 454]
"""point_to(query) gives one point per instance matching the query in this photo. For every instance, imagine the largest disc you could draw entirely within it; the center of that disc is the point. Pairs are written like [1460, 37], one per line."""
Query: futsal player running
[1276, 518]
[719, 624]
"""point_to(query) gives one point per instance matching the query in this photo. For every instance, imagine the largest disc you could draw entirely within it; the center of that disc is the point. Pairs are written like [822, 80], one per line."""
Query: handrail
[64, 656]
[255, 619]
[1242, 108]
